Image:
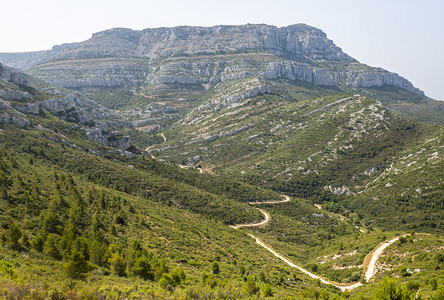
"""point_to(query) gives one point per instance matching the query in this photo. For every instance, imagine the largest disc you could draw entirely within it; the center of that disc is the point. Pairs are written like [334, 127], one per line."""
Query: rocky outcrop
[220, 71]
[26, 60]
[8, 93]
[297, 71]
[377, 79]
[29, 108]
[105, 137]
[101, 72]
[10, 75]
[217, 136]
[238, 97]
[75, 107]
[19, 121]
[340, 190]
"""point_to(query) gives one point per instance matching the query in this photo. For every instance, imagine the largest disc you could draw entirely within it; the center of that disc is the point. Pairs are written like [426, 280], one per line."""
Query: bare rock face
[17, 120]
[29, 108]
[294, 40]
[124, 57]
[72, 107]
[106, 138]
[341, 190]
[15, 94]
[9, 75]
[75, 107]
[377, 79]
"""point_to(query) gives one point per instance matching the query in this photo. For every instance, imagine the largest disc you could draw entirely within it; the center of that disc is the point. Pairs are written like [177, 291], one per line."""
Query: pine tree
[215, 268]
[76, 266]
[117, 264]
[13, 237]
[51, 248]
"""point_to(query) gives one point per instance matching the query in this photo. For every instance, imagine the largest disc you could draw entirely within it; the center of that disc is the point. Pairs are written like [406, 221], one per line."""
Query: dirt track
[369, 261]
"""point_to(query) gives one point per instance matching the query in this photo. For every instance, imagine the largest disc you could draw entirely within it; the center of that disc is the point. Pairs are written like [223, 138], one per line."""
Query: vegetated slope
[327, 149]
[80, 219]
[105, 222]
[93, 221]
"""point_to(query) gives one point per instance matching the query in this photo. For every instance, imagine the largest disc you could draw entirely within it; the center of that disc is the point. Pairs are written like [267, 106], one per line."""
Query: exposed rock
[377, 79]
[26, 60]
[374, 170]
[216, 136]
[294, 40]
[343, 190]
[195, 159]
[13, 94]
[9, 75]
[94, 152]
[297, 71]
[96, 135]
[19, 121]
[118, 57]
[201, 73]
[75, 107]
[106, 138]
[239, 97]
[122, 153]
[118, 141]
[29, 108]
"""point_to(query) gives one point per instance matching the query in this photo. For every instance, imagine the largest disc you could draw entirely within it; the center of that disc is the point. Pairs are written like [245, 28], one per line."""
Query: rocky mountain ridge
[121, 57]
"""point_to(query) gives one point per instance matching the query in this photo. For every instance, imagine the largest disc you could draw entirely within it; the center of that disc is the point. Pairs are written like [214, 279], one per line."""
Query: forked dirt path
[164, 141]
[369, 261]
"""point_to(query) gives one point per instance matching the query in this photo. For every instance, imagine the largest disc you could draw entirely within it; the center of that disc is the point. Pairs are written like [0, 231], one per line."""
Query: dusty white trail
[264, 222]
[342, 286]
[287, 199]
[371, 270]
[372, 256]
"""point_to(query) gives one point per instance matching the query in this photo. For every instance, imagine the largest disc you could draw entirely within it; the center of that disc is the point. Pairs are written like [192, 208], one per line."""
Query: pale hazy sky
[403, 36]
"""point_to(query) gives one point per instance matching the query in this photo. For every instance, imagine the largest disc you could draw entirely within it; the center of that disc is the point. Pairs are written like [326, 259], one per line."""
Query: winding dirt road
[372, 257]
[264, 222]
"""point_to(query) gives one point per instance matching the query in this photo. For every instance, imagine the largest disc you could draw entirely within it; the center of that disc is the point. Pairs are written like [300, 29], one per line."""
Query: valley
[225, 162]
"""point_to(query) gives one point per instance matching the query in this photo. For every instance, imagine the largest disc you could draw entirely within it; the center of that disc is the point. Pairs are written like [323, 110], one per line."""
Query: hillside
[154, 163]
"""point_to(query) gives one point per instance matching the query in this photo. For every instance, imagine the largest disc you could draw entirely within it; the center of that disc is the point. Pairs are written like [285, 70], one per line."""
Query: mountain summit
[124, 56]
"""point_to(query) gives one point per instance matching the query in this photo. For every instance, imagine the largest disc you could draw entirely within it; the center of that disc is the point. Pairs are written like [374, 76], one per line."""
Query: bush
[117, 264]
[389, 289]
[267, 291]
[250, 287]
[7, 269]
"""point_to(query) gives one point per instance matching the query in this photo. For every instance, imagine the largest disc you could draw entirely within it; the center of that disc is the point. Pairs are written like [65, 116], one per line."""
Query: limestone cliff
[197, 56]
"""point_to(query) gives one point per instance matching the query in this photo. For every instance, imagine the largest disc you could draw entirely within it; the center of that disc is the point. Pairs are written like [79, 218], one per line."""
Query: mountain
[125, 159]
[151, 65]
